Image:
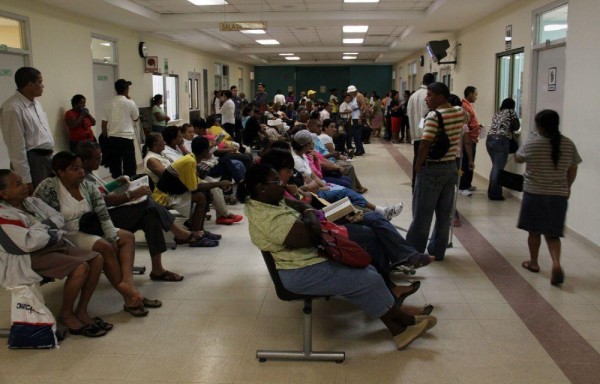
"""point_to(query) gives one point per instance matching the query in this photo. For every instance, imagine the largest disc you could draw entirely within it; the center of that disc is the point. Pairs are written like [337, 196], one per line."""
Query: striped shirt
[454, 119]
[540, 176]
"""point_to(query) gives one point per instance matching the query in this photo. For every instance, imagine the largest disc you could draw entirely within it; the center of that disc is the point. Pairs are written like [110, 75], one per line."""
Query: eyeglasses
[275, 182]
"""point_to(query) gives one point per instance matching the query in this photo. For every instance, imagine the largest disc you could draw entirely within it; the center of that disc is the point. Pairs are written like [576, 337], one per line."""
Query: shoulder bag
[441, 144]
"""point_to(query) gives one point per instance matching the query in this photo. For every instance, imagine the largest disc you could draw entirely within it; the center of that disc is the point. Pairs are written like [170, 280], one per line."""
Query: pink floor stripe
[579, 361]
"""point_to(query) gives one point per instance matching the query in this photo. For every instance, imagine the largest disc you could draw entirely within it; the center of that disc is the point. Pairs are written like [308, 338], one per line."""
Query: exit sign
[102, 78]
[5, 72]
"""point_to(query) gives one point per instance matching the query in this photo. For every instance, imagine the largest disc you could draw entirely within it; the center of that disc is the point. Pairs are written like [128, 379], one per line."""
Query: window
[218, 76]
[11, 33]
[552, 25]
[412, 76]
[240, 79]
[167, 85]
[104, 50]
[509, 78]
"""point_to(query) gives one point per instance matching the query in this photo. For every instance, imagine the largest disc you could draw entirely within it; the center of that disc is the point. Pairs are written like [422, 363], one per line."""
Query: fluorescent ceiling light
[253, 31]
[292, 58]
[268, 42]
[349, 57]
[351, 53]
[353, 41]
[361, 1]
[106, 44]
[286, 54]
[208, 2]
[355, 28]
[554, 27]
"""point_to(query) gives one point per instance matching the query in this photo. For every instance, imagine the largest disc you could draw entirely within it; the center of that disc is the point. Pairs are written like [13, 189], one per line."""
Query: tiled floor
[212, 323]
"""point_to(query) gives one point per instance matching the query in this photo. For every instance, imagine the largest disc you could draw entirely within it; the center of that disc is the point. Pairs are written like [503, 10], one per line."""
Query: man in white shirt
[326, 112]
[25, 129]
[228, 113]
[416, 110]
[120, 113]
[279, 98]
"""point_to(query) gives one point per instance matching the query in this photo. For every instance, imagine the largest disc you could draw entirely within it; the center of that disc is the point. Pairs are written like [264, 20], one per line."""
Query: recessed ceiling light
[268, 42]
[292, 58]
[253, 31]
[353, 41]
[355, 28]
[286, 54]
[349, 57]
[208, 2]
[361, 1]
[351, 53]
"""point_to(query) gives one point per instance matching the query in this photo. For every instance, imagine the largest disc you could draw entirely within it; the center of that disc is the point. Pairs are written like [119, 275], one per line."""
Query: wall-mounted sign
[6, 72]
[166, 65]
[552, 79]
[242, 25]
[102, 78]
[151, 64]
[322, 89]
[508, 38]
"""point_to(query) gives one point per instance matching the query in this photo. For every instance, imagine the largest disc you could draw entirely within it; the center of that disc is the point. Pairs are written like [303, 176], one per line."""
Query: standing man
[260, 100]
[335, 106]
[25, 129]
[466, 179]
[436, 179]
[120, 113]
[417, 107]
[237, 101]
[228, 113]
[359, 106]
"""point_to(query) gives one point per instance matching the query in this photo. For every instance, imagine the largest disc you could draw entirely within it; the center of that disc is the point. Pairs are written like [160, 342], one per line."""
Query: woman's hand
[139, 192]
[225, 185]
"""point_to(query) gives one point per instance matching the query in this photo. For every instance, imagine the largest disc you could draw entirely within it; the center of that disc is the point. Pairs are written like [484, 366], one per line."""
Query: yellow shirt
[269, 225]
[216, 131]
[184, 169]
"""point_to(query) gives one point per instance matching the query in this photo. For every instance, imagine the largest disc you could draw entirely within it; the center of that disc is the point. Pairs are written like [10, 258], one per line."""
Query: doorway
[550, 79]
[194, 80]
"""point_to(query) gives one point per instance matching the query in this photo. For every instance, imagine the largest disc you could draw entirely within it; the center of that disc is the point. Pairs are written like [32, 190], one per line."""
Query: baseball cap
[311, 92]
[122, 82]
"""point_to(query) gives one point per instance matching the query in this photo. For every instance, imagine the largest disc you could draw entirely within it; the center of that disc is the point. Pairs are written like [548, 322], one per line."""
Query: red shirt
[81, 132]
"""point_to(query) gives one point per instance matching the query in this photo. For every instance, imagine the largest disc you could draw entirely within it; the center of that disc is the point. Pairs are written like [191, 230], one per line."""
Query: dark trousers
[150, 217]
[357, 135]
[39, 166]
[339, 141]
[416, 150]
[230, 128]
[122, 157]
[467, 176]
[388, 129]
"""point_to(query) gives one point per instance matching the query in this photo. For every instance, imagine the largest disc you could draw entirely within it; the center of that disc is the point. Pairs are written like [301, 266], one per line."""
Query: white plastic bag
[33, 325]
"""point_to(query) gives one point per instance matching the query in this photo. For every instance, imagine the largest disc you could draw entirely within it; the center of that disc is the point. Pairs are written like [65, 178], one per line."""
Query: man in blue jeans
[436, 178]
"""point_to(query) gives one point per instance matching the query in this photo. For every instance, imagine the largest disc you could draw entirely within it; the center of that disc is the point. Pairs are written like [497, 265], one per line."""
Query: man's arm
[422, 155]
[13, 133]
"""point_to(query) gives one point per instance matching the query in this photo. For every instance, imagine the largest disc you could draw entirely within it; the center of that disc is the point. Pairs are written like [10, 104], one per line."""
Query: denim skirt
[543, 214]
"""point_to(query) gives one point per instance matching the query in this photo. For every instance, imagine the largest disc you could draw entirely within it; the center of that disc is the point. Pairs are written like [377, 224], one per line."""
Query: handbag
[441, 145]
[513, 145]
[511, 180]
[90, 223]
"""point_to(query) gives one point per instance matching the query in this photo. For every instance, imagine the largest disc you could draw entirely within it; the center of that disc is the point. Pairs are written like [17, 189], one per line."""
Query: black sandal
[90, 330]
[98, 322]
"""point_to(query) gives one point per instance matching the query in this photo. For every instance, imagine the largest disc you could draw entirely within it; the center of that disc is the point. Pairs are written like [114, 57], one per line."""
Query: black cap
[122, 85]
[122, 82]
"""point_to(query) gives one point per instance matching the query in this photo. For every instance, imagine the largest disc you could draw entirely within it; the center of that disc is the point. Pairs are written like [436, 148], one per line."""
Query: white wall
[61, 51]
[477, 66]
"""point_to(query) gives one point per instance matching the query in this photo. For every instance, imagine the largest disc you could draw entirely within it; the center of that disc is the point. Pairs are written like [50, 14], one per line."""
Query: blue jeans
[363, 287]
[497, 147]
[434, 193]
[383, 242]
[338, 193]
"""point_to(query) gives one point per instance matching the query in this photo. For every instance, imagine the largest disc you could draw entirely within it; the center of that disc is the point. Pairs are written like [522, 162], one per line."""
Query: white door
[194, 79]
[8, 66]
[551, 65]
[104, 90]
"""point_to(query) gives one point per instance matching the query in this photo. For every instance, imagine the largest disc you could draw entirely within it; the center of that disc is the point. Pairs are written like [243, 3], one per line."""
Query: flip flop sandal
[194, 236]
[205, 242]
[166, 276]
[136, 311]
[98, 322]
[557, 278]
[414, 288]
[212, 236]
[89, 330]
[152, 303]
[527, 266]
[427, 309]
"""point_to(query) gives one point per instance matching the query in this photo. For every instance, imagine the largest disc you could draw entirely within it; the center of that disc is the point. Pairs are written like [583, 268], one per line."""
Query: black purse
[90, 223]
[511, 180]
[441, 145]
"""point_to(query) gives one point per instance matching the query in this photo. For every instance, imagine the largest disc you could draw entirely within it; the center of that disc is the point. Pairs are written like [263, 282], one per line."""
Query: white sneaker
[472, 188]
[464, 192]
[392, 211]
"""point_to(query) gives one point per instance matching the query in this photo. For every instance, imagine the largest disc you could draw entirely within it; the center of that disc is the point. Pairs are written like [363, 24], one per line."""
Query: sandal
[194, 236]
[89, 330]
[558, 277]
[166, 276]
[152, 303]
[136, 311]
[414, 288]
[205, 242]
[98, 322]
[212, 236]
[417, 261]
[427, 309]
[527, 266]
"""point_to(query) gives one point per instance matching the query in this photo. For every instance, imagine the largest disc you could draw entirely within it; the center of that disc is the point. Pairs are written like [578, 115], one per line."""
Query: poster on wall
[322, 89]
[552, 79]
[508, 38]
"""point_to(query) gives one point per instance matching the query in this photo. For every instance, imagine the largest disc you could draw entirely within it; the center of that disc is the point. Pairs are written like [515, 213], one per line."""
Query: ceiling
[311, 29]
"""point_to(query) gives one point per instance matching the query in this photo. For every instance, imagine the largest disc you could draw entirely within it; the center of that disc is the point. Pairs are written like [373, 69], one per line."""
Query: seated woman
[279, 229]
[152, 218]
[302, 144]
[71, 195]
[373, 232]
[178, 196]
[227, 148]
[31, 227]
